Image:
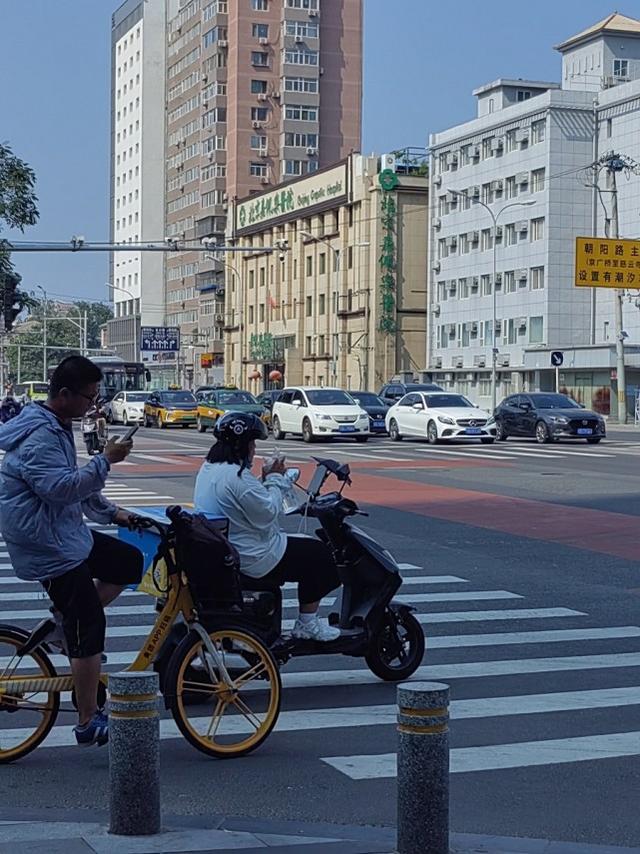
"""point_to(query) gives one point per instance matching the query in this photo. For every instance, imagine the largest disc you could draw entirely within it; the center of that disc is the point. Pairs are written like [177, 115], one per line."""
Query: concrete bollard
[423, 768]
[134, 754]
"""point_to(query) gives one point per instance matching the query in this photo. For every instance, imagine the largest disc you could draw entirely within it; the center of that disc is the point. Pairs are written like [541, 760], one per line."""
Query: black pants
[307, 561]
[74, 594]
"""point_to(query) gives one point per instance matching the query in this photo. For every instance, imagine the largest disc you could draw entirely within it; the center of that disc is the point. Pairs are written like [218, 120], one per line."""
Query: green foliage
[387, 263]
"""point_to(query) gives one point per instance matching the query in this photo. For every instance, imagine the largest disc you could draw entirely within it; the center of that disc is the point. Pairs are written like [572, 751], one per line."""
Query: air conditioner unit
[436, 309]
[475, 283]
[437, 362]
[263, 40]
[451, 158]
[388, 161]
[521, 275]
[223, 43]
[262, 96]
[436, 267]
[474, 328]
[498, 278]
[437, 181]
[523, 225]
[211, 155]
[498, 326]
[264, 180]
[523, 135]
[522, 323]
[479, 361]
[452, 241]
[522, 178]
[220, 291]
[504, 360]
[257, 125]
[314, 13]
[497, 144]
[497, 185]
[437, 222]
[453, 286]
[474, 236]
[205, 78]
[452, 330]
[458, 362]
[498, 232]
[276, 95]
[311, 150]
[452, 198]
[475, 191]
[205, 104]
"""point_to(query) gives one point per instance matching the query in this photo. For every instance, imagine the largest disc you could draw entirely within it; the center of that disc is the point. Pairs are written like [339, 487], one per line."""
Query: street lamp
[136, 354]
[494, 218]
[337, 254]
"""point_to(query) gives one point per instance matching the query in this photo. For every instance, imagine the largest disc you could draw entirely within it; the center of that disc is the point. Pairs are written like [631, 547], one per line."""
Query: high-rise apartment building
[258, 92]
[138, 43]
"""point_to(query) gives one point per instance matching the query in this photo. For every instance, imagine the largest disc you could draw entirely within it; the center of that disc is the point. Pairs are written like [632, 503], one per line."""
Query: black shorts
[74, 594]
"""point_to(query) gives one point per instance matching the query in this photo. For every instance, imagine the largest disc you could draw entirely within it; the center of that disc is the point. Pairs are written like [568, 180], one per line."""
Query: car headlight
[491, 421]
[322, 417]
[558, 419]
[363, 417]
[444, 419]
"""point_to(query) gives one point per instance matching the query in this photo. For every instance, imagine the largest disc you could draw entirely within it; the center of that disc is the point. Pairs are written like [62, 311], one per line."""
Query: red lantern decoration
[255, 375]
[275, 376]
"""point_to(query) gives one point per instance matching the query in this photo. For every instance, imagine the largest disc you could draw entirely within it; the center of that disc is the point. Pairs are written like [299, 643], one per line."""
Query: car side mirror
[417, 406]
[296, 403]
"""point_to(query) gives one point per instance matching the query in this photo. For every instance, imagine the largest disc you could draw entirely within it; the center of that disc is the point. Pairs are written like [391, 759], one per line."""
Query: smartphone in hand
[128, 436]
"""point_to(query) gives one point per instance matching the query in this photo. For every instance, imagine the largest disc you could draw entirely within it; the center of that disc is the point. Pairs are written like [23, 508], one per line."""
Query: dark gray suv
[392, 392]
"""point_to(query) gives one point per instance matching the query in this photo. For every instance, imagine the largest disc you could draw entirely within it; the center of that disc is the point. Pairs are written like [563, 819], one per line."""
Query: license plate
[473, 431]
[584, 431]
[346, 428]
[378, 423]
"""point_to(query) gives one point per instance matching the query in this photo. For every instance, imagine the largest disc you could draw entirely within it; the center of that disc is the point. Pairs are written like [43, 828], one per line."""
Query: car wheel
[542, 433]
[593, 440]
[432, 433]
[394, 433]
[307, 431]
[362, 438]
[146, 420]
[161, 422]
[278, 434]
[501, 433]
[125, 419]
[110, 416]
[201, 427]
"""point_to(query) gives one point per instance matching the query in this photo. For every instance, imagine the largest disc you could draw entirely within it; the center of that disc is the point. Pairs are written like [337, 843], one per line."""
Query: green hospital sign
[293, 198]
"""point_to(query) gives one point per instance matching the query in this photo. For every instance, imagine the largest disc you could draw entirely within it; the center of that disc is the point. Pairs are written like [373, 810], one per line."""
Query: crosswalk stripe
[492, 757]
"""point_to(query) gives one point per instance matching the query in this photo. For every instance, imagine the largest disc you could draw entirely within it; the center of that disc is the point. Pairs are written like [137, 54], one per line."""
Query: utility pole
[44, 334]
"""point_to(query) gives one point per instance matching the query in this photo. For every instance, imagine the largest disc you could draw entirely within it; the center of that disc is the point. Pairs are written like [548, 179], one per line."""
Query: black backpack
[210, 562]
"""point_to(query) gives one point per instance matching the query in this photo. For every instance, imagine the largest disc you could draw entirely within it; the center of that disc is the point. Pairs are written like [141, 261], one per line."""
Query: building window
[487, 194]
[321, 304]
[293, 167]
[523, 95]
[262, 277]
[261, 312]
[258, 87]
[301, 113]
[301, 84]
[301, 140]
[322, 264]
[621, 69]
[487, 149]
[511, 237]
[537, 180]
[511, 332]
[259, 59]
[486, 239]
[301, 57]
[511, 188]
[251, 278]
[509, 282]
[538, 131]
[259, 114]
[537, 278]
[485, 285]
[609, 128]
[309, 266]
[250, 314]
[258, 170]
[303, 4]
[537, 229]
[463, 243]
[463, 288]
[259, 5]
[258, 142]
[308, 306]
[536, 330]
[260, 31]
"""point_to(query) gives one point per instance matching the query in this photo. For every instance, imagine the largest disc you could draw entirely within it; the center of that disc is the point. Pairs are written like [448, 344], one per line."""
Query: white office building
[524, 164]
[138, 44]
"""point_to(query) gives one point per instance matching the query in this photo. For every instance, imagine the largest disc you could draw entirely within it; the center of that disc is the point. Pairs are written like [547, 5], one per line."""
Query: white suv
[316, 413]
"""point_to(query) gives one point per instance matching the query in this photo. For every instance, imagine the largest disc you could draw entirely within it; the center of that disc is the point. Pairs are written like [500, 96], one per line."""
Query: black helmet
[239, 428]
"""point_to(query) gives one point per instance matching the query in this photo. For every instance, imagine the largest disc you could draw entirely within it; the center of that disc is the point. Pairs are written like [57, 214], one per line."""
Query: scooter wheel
[397, 650]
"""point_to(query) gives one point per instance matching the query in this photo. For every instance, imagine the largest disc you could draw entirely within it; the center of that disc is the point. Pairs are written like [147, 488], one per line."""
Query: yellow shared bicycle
[222, 685]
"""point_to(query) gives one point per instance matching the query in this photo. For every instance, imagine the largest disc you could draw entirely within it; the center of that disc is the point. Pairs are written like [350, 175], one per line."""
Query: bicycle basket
[210, 562]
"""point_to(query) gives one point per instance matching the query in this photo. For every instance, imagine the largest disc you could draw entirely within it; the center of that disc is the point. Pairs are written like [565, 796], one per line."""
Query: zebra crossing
[493, 646]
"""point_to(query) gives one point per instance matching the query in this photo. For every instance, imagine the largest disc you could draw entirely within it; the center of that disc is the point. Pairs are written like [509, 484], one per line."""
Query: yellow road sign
[605, 263]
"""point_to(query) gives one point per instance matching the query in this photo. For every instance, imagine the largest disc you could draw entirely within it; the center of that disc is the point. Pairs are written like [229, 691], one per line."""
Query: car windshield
[367, 398]
[445, 401]
[136, 396]
[177, 397]
[423, 387]
[329, 397]
[227, 398]
[554, 401]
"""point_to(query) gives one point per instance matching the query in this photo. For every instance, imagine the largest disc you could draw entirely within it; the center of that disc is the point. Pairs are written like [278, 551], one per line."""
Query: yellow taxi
[213, 404]
[167, 408]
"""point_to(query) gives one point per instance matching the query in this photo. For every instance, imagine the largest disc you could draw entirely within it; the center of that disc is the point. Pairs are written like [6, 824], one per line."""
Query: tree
[97, 316]
[17, 210]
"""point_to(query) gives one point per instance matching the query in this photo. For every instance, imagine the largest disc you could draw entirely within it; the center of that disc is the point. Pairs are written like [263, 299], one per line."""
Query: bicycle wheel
[235, 715]
[26, 715]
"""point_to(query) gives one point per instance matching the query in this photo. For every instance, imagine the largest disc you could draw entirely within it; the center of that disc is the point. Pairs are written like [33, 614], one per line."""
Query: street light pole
[494, 338]
[44, 335]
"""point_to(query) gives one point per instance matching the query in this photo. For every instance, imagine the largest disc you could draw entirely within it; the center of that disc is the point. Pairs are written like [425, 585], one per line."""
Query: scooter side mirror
[292, 474]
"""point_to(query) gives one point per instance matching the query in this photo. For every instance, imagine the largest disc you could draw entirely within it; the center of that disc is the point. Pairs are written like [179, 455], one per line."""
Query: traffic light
[11, 305]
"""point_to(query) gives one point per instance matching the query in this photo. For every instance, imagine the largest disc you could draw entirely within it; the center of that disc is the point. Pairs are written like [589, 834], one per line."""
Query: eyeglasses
[90, 398]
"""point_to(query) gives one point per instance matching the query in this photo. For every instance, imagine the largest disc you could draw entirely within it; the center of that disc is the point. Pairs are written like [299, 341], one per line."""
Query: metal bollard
[134, 754]
[423, 768]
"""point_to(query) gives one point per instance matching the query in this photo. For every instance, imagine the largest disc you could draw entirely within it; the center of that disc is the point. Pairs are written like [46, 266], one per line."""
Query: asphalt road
[521, 561]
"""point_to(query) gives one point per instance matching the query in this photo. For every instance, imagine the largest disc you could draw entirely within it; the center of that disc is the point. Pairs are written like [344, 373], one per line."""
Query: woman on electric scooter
[269, 557]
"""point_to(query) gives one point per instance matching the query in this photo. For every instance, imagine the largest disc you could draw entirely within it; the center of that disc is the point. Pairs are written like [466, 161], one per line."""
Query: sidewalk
[81, 832]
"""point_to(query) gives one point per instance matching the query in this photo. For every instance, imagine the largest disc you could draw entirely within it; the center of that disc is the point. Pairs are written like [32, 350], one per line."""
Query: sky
[421, 61]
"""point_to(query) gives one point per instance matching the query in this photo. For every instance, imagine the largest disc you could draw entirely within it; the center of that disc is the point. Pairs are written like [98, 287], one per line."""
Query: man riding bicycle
[44, 497]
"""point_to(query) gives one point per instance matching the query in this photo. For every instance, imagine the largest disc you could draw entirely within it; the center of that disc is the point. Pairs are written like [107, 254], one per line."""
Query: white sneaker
[315, 629]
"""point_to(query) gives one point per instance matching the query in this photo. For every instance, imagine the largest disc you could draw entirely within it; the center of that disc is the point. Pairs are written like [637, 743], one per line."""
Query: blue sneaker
[95, 732]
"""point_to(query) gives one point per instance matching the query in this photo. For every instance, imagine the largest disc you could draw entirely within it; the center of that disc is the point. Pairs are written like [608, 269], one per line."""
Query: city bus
[33, 389]
[118, 375]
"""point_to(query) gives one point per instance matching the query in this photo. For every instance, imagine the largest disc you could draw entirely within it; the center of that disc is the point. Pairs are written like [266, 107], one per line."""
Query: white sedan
[439, 416]
[127, 406]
